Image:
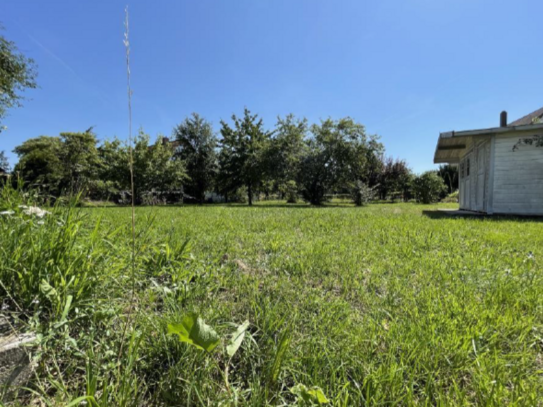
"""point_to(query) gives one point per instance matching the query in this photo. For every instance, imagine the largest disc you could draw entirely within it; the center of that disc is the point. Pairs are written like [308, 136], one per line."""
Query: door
[480, 204]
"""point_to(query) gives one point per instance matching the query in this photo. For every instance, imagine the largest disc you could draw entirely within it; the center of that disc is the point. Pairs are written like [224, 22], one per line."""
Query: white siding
[518, 176]
[474, 189]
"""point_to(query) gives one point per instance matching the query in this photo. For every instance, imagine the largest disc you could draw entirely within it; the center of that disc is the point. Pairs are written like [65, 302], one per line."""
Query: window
[467, 168]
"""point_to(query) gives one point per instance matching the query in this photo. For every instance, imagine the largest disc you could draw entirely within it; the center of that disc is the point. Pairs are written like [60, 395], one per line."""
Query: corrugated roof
[528, 119]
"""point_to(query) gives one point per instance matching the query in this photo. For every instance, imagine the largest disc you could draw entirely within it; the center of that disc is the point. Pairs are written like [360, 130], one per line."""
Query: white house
[498, 175]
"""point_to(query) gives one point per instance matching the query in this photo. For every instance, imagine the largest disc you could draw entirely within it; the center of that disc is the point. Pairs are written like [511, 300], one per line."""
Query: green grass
[390, 304]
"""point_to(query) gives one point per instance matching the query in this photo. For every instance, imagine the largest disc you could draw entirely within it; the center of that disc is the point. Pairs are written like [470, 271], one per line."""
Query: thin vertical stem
[131, 165]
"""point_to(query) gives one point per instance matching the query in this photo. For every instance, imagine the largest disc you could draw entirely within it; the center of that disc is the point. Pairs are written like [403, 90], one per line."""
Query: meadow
[389, 304]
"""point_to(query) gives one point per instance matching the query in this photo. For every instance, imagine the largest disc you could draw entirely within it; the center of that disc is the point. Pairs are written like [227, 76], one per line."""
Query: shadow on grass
[452, 214]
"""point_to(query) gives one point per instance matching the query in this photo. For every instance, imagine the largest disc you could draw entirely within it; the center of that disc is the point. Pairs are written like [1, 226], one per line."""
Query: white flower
[7, 213]
[34, 210]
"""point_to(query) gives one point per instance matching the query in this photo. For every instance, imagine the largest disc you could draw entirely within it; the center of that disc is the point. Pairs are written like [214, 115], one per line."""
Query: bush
[428, 187]
[362, 194]
[451, 198]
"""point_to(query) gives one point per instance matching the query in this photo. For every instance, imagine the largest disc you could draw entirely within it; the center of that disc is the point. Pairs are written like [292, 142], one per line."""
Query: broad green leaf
[312, 395]
[237, 339]
[193, 330]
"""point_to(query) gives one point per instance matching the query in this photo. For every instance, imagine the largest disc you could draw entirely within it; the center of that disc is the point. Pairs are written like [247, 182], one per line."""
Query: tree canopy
[196, 147]
[17, 73]
[243, 158]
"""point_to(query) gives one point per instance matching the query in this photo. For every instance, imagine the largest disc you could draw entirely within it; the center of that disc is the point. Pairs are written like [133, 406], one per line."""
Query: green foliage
[194, 331]
[337, 156]
[280, 355]
[451, 198]
[4, 163]
[362, 194]
[285, 153]
[290, 189]
[196, 148]
[242, 157]
[40, 164]
[155, 167]
[449, 173]
[236, 339]
[428, 187]
[79, 159]
[43, 258]
[314, 395]
[394, 180]
[17, 73]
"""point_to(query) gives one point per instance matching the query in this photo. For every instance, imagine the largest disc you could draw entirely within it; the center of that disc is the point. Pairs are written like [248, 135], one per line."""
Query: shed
[497, 173]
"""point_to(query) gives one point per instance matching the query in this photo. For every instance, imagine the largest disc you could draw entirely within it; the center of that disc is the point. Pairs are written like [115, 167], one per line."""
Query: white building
[498, 175]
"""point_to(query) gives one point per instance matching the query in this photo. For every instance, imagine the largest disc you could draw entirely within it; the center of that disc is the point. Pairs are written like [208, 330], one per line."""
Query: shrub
[451, 198]
[362, 194]
[428, 187]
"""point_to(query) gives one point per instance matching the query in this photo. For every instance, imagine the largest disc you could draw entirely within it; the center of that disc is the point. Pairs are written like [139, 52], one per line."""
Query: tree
[113, 171]
[284, 155]
[449, 174]
[197, 149]
[394, 178]
[4, 163]
[80, 160]
[156, 168]
[17, 73]
[242, 161]
[428, 187]
[40, 163]
[337, 157]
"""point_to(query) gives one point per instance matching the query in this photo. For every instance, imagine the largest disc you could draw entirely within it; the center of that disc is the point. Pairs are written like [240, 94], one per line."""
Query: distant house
[498, 175]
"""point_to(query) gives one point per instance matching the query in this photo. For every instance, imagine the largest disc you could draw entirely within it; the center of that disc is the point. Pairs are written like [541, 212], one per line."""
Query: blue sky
[407, 69]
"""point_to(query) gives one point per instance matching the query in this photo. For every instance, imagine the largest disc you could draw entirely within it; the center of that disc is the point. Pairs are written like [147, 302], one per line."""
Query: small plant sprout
[194, 331]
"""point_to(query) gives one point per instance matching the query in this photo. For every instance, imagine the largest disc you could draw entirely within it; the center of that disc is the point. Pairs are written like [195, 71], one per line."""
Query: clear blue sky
[407, 69]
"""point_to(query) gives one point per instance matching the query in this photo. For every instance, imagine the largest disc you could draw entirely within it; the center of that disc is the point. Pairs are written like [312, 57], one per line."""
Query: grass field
[390, 304]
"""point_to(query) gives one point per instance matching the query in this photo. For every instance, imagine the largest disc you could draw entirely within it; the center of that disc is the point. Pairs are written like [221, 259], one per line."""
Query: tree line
[293, 160]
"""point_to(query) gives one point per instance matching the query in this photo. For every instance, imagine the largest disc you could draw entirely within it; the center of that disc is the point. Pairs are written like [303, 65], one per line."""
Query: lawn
[390, 304]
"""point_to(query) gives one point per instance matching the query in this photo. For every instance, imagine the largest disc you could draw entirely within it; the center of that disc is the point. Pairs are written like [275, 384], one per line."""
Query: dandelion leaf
[194, 331]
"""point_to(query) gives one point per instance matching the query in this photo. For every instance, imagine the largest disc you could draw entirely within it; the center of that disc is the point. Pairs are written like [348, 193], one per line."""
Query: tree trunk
[250, 194]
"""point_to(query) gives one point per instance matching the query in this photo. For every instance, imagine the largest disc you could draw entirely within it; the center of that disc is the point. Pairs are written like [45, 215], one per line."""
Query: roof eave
[493, 130]
[458, 135]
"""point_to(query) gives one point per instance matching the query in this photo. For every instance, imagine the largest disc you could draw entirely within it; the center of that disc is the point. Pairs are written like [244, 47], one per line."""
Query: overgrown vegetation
[380, 305]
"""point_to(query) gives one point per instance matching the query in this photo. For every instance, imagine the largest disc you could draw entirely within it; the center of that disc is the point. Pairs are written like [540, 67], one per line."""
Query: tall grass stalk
[131, 165]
